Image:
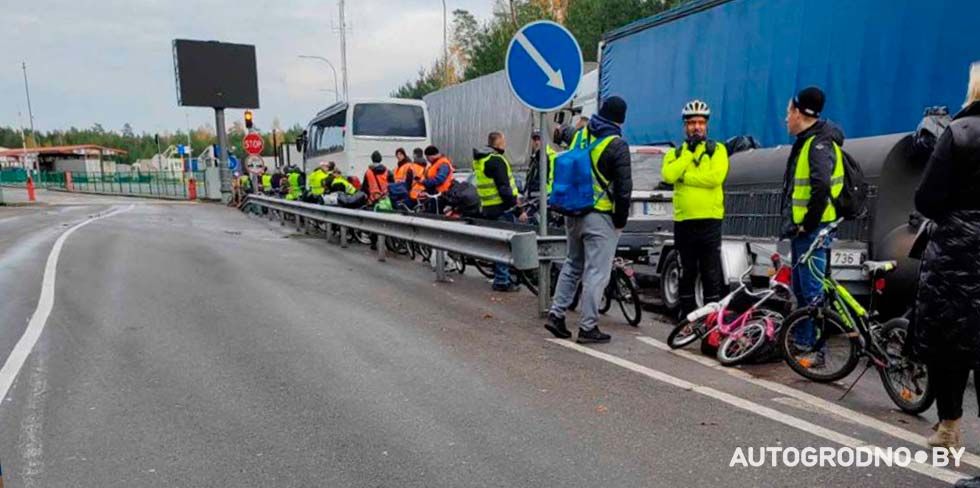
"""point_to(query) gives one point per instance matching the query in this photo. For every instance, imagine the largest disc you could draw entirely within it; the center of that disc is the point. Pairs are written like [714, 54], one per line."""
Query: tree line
[141, 145]
[476, 50]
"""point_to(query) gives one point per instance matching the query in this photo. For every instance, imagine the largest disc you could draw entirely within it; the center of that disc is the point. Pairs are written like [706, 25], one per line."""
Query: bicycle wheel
[484, 267]
[686, 333]
[424, 251]
[833, 350]
[362, 237]
[906, 381]
[741, 344]
[629, 299]
[456, 262]
[605, 301]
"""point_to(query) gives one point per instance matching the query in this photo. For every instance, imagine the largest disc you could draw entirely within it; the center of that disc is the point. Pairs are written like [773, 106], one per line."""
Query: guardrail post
[329, 232]
[441, 266]
[299, 223]
[343, 237]
[381, 248]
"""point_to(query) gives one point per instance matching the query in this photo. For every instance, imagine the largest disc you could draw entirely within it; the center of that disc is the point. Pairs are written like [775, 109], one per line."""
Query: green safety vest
[266, 182]
[316, 181]
[349, 189]
[603, 203]
[244, 181]
[580, 139]
[801, 184]
[486, 188]
[295, 191]
[551, 166]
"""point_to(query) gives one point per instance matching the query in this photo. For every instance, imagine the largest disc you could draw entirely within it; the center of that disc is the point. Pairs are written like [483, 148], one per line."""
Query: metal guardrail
[516, 248]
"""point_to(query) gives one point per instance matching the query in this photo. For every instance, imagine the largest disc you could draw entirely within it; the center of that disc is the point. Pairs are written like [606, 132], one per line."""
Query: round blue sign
[232, 162]
[544, 65]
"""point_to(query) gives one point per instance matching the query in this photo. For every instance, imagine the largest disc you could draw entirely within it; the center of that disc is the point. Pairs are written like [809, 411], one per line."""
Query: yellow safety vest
[551, 166]
[349, 189]
[316, 181]
[603, 202]
[580, 139]
[295, 191]
[266, 182]
[244, 181]
[486, 188]
[801, 184]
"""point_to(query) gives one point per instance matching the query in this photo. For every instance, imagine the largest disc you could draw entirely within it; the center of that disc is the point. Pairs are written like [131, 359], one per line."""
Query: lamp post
[445, 45]
[325, 60]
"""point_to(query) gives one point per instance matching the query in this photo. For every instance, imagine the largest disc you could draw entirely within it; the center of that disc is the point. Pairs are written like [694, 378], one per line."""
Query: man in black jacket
[593, 237]
[498, 195]
[814, 177]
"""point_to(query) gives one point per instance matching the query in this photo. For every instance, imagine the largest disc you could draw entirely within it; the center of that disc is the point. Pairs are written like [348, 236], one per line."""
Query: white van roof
[332, 109]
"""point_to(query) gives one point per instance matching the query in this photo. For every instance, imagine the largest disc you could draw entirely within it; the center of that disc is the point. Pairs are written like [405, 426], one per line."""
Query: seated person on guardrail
[376, 179]
[438, 176]
[407, 185]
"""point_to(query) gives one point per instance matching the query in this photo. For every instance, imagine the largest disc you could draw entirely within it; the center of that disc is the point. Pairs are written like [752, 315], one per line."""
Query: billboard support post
[224, 171]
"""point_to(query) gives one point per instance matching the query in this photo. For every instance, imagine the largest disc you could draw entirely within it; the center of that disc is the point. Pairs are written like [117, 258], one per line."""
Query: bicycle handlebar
[821, 241]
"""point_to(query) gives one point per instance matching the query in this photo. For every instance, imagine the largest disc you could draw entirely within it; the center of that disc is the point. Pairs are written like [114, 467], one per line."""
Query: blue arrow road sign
[232, 162]
[544, 65]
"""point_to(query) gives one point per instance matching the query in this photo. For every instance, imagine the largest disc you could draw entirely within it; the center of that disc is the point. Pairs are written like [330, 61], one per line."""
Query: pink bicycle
[745, 320]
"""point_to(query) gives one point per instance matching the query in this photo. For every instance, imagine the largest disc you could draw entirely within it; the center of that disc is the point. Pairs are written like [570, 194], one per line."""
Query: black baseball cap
[810, 101]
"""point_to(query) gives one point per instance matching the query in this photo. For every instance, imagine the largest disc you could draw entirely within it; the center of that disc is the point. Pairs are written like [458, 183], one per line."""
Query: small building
[79, 158]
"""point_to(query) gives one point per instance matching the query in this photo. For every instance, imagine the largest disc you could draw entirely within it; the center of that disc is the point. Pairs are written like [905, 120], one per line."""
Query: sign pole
[219, 124]
[544, 267]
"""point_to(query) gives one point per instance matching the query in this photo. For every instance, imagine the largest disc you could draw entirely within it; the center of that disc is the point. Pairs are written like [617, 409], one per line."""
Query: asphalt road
[189, 345]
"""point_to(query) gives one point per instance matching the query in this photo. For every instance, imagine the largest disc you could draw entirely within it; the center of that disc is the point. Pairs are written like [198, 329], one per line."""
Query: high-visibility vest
[316, 181]
[244, 182]
[552, 154]
[348, 188]
[580, 139]
[266, 182]
[486, 188]
[295, 190]
[603, 202]
[801, 184]
[377, 185]
[434, 170]
[415, 187]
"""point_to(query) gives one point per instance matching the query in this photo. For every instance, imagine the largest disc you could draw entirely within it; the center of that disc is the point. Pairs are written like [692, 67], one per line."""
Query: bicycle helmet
[696, 108]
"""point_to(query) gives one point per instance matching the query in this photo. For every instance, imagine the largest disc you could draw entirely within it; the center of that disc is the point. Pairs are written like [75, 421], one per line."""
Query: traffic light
[248, 119]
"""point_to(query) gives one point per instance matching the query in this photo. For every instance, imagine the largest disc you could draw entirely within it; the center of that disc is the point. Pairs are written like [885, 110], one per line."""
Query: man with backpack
[592, 188]
[813, 181]
[697, 169]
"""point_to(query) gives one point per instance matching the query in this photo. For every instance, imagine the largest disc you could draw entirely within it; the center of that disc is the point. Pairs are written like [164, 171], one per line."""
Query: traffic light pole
[219, 124]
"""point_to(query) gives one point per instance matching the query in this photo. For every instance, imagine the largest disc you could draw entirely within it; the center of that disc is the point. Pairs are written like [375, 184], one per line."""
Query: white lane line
[45, 303]
[812, 400]
[940, 474]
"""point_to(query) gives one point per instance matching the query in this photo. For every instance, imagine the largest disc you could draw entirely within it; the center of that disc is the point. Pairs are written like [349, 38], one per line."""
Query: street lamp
[325, 60]
[445, 44]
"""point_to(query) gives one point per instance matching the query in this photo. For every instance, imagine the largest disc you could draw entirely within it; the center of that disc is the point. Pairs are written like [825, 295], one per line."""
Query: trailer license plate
[656, 209]
[846, 257]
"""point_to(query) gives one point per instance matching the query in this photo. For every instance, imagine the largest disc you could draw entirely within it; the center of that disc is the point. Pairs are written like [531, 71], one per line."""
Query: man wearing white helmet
[697, 169]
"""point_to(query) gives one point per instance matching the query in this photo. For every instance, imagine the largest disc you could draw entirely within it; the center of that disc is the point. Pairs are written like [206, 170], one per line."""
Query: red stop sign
[253, 143]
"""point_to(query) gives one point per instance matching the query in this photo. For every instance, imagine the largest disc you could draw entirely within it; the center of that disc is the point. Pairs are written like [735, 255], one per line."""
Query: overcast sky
[110, 61]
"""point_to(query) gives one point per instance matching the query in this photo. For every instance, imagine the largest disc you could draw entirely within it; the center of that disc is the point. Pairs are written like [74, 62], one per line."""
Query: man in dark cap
[592, 238]
[814, 177]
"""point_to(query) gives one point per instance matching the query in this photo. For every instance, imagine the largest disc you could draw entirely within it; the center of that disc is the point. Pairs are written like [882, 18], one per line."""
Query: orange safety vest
[434, 170]
[377, 185]
[415, 187]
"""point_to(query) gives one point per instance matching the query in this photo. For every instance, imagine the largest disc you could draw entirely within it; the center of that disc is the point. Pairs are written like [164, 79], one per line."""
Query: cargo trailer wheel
[670, 282]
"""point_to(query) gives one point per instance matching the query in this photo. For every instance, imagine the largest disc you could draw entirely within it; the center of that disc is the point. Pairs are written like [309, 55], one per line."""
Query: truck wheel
[670, 281]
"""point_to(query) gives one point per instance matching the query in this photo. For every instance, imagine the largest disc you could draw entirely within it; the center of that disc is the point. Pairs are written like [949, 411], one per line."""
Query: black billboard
[215, 74]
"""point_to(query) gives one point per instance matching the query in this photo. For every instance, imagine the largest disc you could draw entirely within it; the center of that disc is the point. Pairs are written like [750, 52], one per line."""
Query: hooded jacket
[614, 165]
[496, 169]
[947, 319]
[822, 161]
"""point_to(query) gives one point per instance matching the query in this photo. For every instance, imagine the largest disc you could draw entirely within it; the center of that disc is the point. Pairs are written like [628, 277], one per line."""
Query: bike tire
[484, 267]
[824, 320]
[741, 345]
[629, 299]
[605, 302]
[894, 333]
[362, 237]
[686, 333]
[458, 262]
[529, 280]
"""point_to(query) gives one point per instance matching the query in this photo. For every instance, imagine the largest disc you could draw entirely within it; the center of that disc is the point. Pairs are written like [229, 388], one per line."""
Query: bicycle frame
[716, 312]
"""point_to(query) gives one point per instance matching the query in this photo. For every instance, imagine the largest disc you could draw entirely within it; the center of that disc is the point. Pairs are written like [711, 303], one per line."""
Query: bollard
[381, 248]
[30, 189]
[191, 189]
[441, 266]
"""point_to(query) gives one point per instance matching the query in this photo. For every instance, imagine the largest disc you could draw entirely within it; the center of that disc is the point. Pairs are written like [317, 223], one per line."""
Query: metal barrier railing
[516, 248]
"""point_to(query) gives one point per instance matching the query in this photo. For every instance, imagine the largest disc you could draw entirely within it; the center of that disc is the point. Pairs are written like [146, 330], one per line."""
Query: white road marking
[940, 474]
[811, 400]
[45, 303]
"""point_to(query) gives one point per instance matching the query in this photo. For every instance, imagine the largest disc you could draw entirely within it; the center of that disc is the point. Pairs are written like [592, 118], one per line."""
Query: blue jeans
[501, 271]
[807, 286]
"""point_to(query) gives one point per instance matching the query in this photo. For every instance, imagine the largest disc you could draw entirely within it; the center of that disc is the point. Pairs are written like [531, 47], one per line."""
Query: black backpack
[852, 203]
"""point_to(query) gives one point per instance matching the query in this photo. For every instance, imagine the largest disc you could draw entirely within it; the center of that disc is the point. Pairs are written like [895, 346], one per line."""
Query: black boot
[556, 325]
[968, 483]
[594, 336]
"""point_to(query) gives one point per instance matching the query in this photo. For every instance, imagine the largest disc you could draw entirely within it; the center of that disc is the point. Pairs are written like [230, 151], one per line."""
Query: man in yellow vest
[316, 179]
[697, 169]
[498, 195]
[814, 178]
[592, 238]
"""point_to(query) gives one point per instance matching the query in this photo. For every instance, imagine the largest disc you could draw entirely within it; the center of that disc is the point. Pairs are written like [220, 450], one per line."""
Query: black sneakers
[594, 336]
[509, 288]
[556, 325]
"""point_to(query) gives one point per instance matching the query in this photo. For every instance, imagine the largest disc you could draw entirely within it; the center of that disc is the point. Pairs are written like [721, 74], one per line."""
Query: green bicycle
[824, 341]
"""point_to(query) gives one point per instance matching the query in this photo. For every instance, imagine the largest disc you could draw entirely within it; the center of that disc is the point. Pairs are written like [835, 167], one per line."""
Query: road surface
[190, 345]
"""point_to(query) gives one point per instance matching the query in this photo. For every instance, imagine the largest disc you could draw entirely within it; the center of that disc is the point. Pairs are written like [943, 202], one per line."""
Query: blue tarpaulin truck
[880, 62]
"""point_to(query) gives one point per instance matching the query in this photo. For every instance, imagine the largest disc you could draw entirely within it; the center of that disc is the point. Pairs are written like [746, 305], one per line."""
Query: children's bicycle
[823, 341]
[746, 319]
